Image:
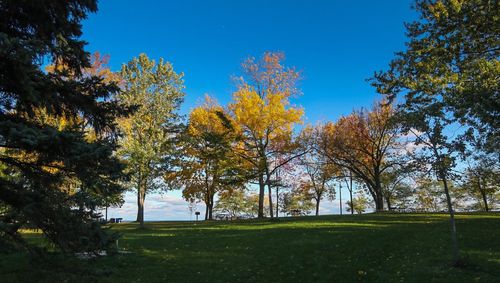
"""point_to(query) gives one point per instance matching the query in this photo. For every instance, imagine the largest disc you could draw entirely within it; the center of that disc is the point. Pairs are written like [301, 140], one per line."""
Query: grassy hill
[357, 248]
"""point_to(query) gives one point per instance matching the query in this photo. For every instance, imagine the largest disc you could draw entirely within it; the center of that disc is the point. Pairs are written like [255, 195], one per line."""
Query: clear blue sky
[336, 44]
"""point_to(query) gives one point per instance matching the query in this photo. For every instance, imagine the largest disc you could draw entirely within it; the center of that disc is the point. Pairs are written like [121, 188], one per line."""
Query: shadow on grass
[358, 248]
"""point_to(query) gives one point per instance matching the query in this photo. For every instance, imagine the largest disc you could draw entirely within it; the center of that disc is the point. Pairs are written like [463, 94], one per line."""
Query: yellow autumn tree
[208, 165]
[265, 119]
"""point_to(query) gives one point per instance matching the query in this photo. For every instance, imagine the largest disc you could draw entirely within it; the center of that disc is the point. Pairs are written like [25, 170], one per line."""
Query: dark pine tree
[57, 129]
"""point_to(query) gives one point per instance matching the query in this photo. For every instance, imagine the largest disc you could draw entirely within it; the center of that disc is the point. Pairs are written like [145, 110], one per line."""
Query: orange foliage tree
[365, 143]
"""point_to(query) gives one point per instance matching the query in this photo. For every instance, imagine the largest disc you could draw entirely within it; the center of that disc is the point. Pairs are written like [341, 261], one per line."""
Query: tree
[155, 90]
[55, 169]
[452, 57]
[253, 203]
[395, 186]
[426, 122]
[265, 120]
[482, 182]
[364, 143]
[235, 203]
[448, 75]
[359, 204]
[429, 195]
[296, 203]
[208, 165]
[318, 175]
[231, 202]
[98, 68]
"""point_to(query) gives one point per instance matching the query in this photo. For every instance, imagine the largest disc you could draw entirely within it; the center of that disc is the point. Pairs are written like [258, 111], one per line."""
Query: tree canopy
[452, 58]
[155, 91]
[52, 174]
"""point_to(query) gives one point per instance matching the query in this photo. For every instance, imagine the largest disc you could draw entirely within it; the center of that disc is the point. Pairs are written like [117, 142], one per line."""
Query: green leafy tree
[253, 205]
[156, 91]
[235, 203]
[57, 129]
[297, 203]
[428, 195]
[359, 204]
[482, 183]
[427, 122]
[448, 75]
[452, 57]
[396, 188]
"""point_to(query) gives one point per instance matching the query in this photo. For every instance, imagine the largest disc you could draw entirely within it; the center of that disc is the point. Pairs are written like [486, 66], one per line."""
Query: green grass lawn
[358, 248]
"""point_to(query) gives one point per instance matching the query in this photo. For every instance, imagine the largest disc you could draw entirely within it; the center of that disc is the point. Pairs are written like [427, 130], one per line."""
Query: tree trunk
[277, 200]
[454, 241]
[106, 217]
[141, 196]
[211, 207]
[350, 191]
[340, 193]
[269, 190]
[206, 207]
[317, 206]
[379, 202]
[260, 213]
[485, 200]
[483, 194]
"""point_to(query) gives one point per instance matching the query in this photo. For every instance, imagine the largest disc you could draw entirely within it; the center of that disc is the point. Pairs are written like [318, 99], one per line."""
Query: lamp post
[278, 180]
[340, 192]
[350, 191]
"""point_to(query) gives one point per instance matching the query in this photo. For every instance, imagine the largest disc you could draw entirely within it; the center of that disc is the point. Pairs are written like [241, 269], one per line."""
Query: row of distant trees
[222, 152]
[410, 194]
[227, 149]
[76, 135]
[437, 124]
